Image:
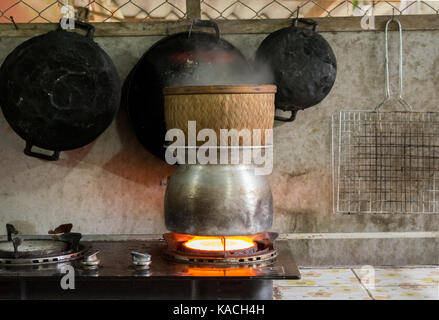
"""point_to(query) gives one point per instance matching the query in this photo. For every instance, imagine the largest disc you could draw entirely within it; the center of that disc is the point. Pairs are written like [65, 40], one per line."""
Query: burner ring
[40, 260]
[266, 256]
[262, 251]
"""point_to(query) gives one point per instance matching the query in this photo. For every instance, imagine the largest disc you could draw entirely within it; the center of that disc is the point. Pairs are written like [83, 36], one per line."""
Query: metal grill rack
[386, 162]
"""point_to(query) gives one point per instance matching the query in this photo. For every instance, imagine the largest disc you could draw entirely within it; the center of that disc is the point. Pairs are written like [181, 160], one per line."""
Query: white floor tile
[320, 293]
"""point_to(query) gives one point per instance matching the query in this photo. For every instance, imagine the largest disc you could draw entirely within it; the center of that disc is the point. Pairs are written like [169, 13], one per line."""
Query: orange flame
[220, 243]
[221, 272]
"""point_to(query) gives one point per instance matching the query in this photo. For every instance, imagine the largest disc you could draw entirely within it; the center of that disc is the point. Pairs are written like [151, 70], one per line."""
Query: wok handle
[28, 151]
[84, 26]
[286, 119]
[309, 22]
[204, 23]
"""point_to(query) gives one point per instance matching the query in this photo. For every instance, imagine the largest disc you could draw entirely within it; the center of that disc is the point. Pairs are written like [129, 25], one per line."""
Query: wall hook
[13, 21]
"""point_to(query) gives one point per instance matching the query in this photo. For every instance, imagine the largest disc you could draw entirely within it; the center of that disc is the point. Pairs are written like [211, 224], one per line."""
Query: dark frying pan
[59, 91]
[303, 64]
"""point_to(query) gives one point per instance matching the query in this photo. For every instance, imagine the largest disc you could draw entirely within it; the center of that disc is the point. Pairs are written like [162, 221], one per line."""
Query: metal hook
[387, 88]
[190, 29]
[13, 21]
[11, 231]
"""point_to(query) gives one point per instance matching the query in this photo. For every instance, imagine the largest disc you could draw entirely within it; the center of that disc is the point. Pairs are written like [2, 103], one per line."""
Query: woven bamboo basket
[222, 107]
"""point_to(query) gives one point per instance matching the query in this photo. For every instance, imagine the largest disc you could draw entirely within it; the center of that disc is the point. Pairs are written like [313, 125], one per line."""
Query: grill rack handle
[388, 97]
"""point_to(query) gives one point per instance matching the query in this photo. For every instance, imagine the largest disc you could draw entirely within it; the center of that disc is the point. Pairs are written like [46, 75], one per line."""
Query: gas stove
[218, 216]
[141, 269]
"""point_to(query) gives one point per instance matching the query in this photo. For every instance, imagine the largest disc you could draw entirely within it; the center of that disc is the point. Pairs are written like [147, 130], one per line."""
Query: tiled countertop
[367, 283]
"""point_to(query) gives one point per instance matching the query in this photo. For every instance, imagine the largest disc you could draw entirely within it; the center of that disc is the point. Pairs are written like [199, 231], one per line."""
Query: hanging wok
[187, 58]
[303, 64]
[59, 91]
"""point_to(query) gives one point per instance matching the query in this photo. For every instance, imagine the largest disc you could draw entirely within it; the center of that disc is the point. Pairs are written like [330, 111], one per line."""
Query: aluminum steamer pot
[303, 64]
[59, 91]
[218, 200]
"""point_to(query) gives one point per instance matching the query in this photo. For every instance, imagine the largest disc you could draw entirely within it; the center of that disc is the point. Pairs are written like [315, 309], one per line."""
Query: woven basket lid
[219, 89]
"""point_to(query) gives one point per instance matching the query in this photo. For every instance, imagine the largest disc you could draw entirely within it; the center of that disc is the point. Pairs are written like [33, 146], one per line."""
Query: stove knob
[91, 261]
[141, 260]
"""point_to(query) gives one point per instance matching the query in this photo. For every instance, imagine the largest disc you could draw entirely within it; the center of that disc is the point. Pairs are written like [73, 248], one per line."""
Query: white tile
[320, 293]
[400, 276]
[323, 278]
[343, 284]
[405, 293]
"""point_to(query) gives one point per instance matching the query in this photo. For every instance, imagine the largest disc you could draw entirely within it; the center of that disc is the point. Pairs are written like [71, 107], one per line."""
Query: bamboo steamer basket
[221, 107]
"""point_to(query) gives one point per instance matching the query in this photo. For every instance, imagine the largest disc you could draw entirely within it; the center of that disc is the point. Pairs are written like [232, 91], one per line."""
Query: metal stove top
[116, 263]
[118, 278]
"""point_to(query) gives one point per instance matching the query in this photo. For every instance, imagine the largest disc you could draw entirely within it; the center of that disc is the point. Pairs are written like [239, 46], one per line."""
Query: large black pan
[303, 64]
[187, 58]
[59, 91]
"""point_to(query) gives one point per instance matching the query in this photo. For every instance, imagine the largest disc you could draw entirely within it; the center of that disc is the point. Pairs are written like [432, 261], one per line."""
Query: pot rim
[219, 89]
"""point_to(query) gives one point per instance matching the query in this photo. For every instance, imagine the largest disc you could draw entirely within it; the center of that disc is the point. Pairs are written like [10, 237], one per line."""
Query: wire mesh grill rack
[386, 162]
[29, 11]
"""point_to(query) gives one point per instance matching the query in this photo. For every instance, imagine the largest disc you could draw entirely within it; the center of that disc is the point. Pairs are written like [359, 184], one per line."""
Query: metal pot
[303, 64]
[59, 91]
[218, 200]
[186, 58]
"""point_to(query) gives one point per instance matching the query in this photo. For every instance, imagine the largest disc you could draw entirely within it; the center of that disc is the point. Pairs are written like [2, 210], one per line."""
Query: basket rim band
[219, 89]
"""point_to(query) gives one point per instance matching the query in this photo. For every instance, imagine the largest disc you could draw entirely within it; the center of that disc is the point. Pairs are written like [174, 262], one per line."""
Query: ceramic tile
[319, 293]
[343, 284]
[324, 278]
[405, 293]
[400, 276]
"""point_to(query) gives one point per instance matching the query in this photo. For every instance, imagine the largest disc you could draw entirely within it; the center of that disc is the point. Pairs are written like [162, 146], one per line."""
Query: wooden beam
[193, 9]
[162, 28]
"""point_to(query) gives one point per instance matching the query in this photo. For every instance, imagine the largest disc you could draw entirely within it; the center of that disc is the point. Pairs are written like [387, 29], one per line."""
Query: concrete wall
[114, 186]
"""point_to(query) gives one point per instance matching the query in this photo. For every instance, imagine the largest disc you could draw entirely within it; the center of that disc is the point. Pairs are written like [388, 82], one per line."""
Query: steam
[196, 73]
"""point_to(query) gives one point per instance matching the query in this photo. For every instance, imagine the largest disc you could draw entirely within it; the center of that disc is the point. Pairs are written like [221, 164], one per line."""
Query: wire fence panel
[281, 9]
[31, 11]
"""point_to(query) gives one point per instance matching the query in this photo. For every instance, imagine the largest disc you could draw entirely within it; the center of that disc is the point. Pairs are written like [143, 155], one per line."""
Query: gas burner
[231, 250]
[37, 250]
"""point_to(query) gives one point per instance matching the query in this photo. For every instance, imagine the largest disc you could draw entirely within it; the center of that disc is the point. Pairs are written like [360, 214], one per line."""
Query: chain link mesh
[281, 9]
[27, 11]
